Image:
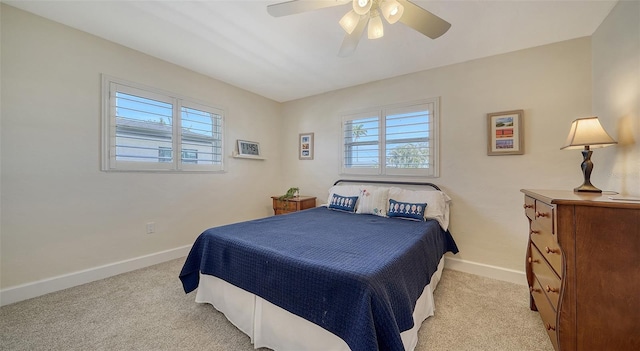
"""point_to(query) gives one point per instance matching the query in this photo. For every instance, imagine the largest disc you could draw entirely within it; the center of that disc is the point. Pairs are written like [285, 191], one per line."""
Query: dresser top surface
[568, 197]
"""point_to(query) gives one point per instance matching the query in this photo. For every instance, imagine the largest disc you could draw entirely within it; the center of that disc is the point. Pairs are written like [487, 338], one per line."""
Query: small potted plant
[290, 194]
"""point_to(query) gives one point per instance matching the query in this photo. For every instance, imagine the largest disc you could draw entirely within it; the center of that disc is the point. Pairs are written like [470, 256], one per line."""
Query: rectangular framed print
[305, 146]
[506, 133]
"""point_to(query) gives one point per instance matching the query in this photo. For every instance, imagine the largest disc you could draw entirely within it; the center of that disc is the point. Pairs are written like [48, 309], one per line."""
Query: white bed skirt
[271, 326]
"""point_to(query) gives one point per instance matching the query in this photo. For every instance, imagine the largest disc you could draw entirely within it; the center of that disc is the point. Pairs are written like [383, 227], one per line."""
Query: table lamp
[588, 133]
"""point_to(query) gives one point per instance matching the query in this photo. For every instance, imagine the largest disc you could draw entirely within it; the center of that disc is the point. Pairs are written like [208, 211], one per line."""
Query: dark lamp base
[587, 167]
[587, 188]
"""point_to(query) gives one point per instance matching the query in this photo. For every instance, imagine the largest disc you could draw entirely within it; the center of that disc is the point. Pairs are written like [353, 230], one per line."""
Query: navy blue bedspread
[357, 276]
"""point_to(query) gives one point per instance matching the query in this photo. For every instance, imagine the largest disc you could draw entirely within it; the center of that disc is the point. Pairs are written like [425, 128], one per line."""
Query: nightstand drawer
[285, 206]
[294, 204]
[548, 280]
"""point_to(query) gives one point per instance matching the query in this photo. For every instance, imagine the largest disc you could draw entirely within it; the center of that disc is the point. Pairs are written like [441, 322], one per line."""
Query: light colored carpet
[148, 310]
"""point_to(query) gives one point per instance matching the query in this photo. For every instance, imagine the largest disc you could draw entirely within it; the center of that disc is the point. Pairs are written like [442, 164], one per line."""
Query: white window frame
[112, 85]
[382, 112]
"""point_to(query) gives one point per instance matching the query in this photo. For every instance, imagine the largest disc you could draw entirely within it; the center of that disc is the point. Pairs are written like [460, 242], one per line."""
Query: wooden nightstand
[294, 204]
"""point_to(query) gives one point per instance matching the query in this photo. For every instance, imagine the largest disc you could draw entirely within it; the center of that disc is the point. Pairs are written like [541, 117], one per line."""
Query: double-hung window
[392, 140]
[148, 130]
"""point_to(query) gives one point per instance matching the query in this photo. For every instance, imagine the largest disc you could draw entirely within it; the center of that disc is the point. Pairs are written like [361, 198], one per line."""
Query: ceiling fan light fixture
[361, 7]
[368, 13]
[391, 10]
[349, 21]
[375, 29]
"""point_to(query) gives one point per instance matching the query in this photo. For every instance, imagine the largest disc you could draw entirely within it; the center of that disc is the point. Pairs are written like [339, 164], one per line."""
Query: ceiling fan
[367, 13]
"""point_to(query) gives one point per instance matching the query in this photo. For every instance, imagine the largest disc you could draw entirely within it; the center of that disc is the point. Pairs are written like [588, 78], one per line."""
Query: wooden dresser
[293, 204]
[583, 269]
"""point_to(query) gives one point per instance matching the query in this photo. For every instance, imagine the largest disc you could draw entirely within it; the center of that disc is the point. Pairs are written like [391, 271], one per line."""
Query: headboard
[385, 182]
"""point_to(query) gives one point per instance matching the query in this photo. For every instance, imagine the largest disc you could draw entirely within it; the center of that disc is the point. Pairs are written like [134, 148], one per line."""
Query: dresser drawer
[548, 280]
[547, 313]
[530, 207]
[544, 216]
[546, 242]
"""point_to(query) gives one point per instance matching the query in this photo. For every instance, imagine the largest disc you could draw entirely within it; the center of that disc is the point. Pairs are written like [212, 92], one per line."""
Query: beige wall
[552, 84]
[616, 98]
[60, 213]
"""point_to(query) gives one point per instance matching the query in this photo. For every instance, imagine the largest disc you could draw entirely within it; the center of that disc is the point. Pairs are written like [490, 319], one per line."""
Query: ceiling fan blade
[422, 20]
[297, 6]
[350, 42]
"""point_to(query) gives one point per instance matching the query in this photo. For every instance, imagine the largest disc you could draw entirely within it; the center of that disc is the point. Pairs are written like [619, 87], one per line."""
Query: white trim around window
[393, 140]
[146, 129]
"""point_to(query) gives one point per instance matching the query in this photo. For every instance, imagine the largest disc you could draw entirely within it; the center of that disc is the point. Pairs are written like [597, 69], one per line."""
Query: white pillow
[344, 190]
[437, 202]
[373, 200]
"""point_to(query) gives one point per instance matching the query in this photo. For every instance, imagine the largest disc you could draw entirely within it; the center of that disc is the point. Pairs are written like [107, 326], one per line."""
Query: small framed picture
[305, 146]
[248, 148]
[506, 133]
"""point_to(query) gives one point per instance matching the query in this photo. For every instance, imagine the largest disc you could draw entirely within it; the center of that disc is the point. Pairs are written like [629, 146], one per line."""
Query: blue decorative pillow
[406, 210]
[343, 203]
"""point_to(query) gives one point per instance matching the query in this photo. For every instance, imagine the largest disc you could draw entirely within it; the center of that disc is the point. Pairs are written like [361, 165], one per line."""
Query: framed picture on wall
[305, 146]
[506, 133]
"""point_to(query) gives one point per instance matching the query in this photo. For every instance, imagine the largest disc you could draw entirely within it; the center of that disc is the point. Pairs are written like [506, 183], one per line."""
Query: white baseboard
[45, 286]
[485, 270]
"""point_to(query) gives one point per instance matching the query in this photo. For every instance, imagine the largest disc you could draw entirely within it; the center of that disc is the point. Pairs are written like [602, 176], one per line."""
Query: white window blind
[393, 140]
[201, 136]
[145, 130]
[361, 142]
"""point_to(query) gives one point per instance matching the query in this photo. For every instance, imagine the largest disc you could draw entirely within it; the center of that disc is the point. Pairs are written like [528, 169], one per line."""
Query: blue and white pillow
[406, 210]
[343, 203]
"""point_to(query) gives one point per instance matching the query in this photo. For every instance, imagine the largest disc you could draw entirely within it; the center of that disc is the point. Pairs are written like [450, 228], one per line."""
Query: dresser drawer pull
[532, 260]
[542, 214]
[527, 206]
[534, 290]
[553, 290]
[550, 327]
[550, 250]
[534, 231]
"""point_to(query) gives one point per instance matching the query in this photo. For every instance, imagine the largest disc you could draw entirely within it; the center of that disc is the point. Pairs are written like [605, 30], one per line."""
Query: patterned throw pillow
[373, 200]
[406, 210]
[343, 190]
[438, 201]
[343, 203]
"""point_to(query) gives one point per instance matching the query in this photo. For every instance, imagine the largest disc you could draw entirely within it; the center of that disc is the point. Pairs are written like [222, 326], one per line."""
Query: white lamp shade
[349, 21]
[587, 132]
[391, 10]
[361, 7]
[375, 29]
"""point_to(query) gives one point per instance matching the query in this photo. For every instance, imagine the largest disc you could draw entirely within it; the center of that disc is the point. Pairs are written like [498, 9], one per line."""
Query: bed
[355, 274]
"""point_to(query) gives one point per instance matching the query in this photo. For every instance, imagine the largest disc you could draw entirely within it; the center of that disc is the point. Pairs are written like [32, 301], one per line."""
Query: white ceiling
[292, 57]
